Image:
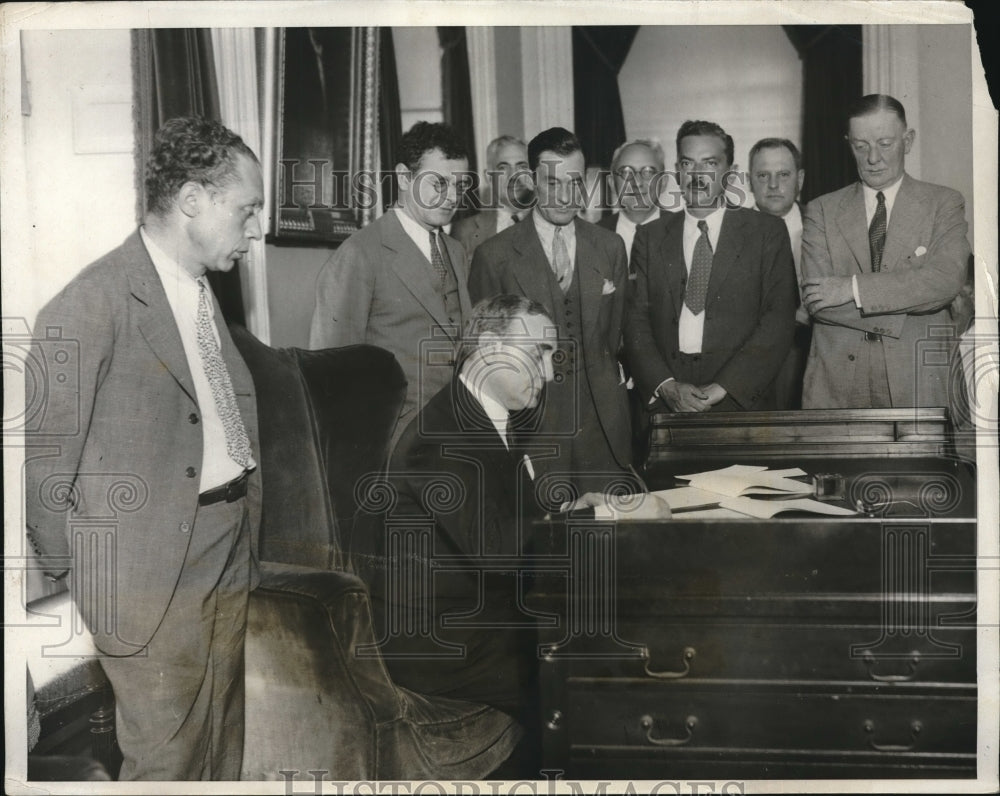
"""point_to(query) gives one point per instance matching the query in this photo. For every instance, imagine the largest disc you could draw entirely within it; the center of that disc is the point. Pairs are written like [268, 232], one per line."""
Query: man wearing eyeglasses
[882, 261]
[638, 167]
[401, 282]
[508, 199]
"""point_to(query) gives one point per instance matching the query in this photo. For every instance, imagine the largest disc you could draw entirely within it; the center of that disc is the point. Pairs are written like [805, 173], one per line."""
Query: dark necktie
[237, 442]
[438, 262]
[514, 219]
[876, 233]
[701, 269]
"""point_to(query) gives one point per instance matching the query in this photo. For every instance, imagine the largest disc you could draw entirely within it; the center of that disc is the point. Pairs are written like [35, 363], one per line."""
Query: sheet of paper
[684, 497]
[766, 509]
[745, 483]
[733, 469]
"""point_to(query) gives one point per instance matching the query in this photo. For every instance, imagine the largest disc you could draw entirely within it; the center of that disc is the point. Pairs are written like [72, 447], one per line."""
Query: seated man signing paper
[461, 471]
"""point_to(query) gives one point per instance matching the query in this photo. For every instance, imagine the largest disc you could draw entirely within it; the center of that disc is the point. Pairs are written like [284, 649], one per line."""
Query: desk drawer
[609, 715]
[784, 652]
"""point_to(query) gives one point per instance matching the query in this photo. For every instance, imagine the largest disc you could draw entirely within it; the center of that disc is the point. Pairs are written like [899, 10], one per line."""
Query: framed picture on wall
[326, 135]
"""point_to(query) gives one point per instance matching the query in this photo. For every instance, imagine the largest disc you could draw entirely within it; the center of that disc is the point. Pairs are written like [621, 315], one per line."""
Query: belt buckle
[233, 487]
[871, 337]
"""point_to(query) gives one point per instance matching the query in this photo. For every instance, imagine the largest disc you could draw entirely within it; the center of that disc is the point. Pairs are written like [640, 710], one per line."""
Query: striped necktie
[876, 232]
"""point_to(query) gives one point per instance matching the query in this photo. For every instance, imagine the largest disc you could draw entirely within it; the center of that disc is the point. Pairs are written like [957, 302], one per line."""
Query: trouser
[788, 383]
[871, 381]
[179, 701]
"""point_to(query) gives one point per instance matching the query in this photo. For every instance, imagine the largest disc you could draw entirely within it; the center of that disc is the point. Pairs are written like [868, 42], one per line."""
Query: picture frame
[326, 135]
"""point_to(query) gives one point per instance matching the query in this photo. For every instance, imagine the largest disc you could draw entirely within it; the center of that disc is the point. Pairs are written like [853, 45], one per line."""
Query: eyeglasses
[441, 186]
[627, 172]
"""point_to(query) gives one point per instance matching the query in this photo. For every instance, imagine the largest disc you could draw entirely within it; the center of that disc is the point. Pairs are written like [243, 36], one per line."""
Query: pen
[637, 477]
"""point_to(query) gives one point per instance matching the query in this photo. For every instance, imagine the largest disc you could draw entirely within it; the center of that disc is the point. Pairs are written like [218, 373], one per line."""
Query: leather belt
[871, 337]
[230, 492]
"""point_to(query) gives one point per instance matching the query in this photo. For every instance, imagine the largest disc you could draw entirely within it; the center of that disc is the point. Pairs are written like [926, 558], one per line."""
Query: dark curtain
[456, 87]
[175, 76]
[390, 117]
[598, 55]
[831, 81]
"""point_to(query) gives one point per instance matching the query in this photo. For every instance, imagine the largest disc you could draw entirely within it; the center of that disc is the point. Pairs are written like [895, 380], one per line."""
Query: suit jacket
[473, 230]
[609, 222]
[514, 262]
[924, 265]
[749, 309]
[375, 289]
[121, 440]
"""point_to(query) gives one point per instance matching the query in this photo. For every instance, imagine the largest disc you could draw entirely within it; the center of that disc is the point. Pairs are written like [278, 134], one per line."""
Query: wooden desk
[807, 647]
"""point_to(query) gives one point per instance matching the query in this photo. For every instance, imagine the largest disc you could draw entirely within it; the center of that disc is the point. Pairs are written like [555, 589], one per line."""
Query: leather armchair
[315, 702]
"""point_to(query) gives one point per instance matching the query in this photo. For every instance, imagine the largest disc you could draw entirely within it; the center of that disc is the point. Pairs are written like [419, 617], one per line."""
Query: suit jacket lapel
[530, 266]
[854, 226]
[409, 263]
[590, 276]
[155, 318]
[904, 225]
[460, 264]
[672, 256]
[727, 251]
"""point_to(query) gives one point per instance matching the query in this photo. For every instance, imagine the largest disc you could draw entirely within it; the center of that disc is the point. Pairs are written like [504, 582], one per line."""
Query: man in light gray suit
[140, 481]
[400, 283]
[882, 260]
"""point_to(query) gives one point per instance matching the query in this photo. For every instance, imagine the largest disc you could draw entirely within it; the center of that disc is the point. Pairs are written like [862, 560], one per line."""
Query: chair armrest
[312, 703]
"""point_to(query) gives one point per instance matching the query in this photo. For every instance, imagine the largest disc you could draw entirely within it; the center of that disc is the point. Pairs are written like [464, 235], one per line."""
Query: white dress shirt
[418, 234]
[871, 203]
[691, 327]
[217, 468]
[505, 218]
[546, 230]
[626, 229]
[498, 416]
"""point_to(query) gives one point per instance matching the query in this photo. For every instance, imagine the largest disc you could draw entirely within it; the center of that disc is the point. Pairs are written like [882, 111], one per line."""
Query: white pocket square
[920, 252]
[608, 288]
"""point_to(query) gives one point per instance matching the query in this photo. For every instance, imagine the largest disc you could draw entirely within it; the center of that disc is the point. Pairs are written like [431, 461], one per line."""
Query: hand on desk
[642, 506]
[680, 396]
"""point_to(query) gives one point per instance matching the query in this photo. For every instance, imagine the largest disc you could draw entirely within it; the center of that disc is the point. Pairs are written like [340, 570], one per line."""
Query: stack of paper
[725, 493]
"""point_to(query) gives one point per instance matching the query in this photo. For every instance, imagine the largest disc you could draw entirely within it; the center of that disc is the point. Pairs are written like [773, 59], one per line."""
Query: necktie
[876, 232]
[515, 219]
[701, 269]
[437, 261]
[560, 260]
[237, 442]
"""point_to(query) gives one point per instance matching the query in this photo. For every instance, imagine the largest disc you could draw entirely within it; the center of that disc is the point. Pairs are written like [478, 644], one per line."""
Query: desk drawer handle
[916, 727]
[687, 655]
[871, 662]
[647, 723]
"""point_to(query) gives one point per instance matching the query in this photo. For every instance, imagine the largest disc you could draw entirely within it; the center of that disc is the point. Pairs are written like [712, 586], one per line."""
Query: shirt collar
[625, 221]
[793, 218]
[546, 229]
[170, 271]
[871, 194]
[419, 233]
[493, 409]
[713, 219]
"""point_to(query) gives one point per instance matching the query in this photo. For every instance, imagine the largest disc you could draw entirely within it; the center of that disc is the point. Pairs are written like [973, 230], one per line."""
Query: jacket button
[850, 357]
[185, 527]
[190, 472]
[193, 419]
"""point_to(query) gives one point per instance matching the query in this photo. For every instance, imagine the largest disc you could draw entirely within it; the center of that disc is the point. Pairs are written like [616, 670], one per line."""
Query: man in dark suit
[508, 198]
[882, 261]
[579, 273]
[711, 317]
[638, 169]
[401, 282]
[776, 177]
[464, 469]
[154, 438]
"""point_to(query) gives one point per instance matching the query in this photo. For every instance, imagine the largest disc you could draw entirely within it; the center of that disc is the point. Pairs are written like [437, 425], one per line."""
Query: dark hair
[699, 127]
[190, 149]
[424, 137]
[775, 143]
[494, 314]
[557, 140]
[872, 103]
